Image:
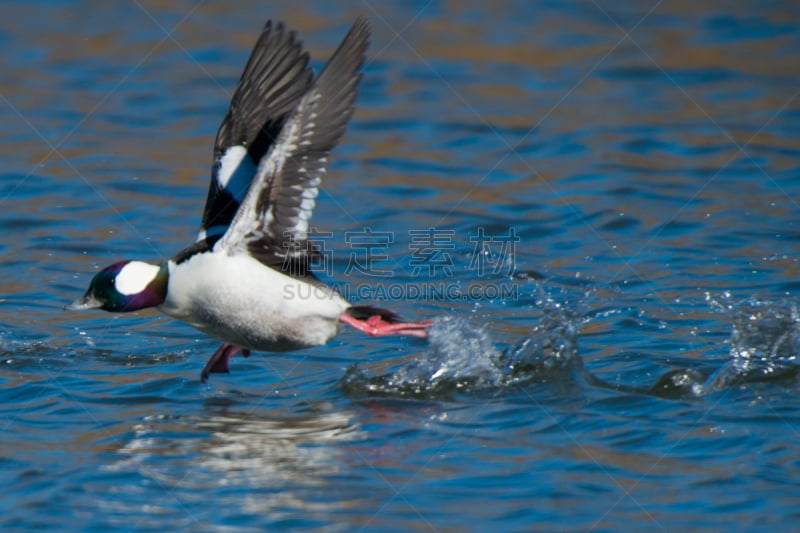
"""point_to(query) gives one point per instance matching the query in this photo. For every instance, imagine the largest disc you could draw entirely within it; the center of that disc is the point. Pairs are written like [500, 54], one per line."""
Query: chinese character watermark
[368, 248]
[309, 255]
[494, 254]
[432, 251]
[429, 251]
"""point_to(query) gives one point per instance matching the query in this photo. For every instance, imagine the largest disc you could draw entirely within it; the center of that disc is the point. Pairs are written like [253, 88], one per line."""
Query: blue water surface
[596, 202]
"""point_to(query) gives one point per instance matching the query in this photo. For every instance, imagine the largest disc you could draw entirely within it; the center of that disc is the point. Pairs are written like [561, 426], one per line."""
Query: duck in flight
[246, 280]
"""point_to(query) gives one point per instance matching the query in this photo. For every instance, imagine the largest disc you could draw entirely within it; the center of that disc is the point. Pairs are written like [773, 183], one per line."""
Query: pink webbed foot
[381, 326]
[218, 363]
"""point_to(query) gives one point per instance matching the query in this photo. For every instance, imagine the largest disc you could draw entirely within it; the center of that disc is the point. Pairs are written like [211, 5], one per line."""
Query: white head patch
[134, 277]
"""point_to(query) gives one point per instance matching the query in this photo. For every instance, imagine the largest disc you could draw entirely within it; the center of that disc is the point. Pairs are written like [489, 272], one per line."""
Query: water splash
[764, 343]
[459, 357]
[551, 349]
[763, 346]
[462, 358]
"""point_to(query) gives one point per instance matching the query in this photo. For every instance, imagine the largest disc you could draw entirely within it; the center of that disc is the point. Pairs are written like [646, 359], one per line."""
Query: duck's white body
[240, 301]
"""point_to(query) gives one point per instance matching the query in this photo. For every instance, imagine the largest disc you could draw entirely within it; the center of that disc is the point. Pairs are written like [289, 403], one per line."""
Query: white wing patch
[247, 219]
[236, 171]
[135, 277]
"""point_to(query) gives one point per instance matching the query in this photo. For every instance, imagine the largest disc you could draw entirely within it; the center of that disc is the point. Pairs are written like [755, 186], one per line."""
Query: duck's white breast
[238, 300]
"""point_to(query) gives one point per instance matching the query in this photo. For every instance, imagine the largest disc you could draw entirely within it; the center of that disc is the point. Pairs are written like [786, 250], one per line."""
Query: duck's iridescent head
[125, 286]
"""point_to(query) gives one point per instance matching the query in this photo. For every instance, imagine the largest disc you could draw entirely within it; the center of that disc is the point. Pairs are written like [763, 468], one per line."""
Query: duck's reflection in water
[265, 463]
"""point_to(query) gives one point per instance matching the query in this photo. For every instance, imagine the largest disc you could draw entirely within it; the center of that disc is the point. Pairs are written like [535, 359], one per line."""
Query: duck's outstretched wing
[274, 80]
[272, 222]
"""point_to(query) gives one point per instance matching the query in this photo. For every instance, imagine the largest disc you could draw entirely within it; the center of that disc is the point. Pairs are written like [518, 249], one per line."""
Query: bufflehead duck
[246, 280]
